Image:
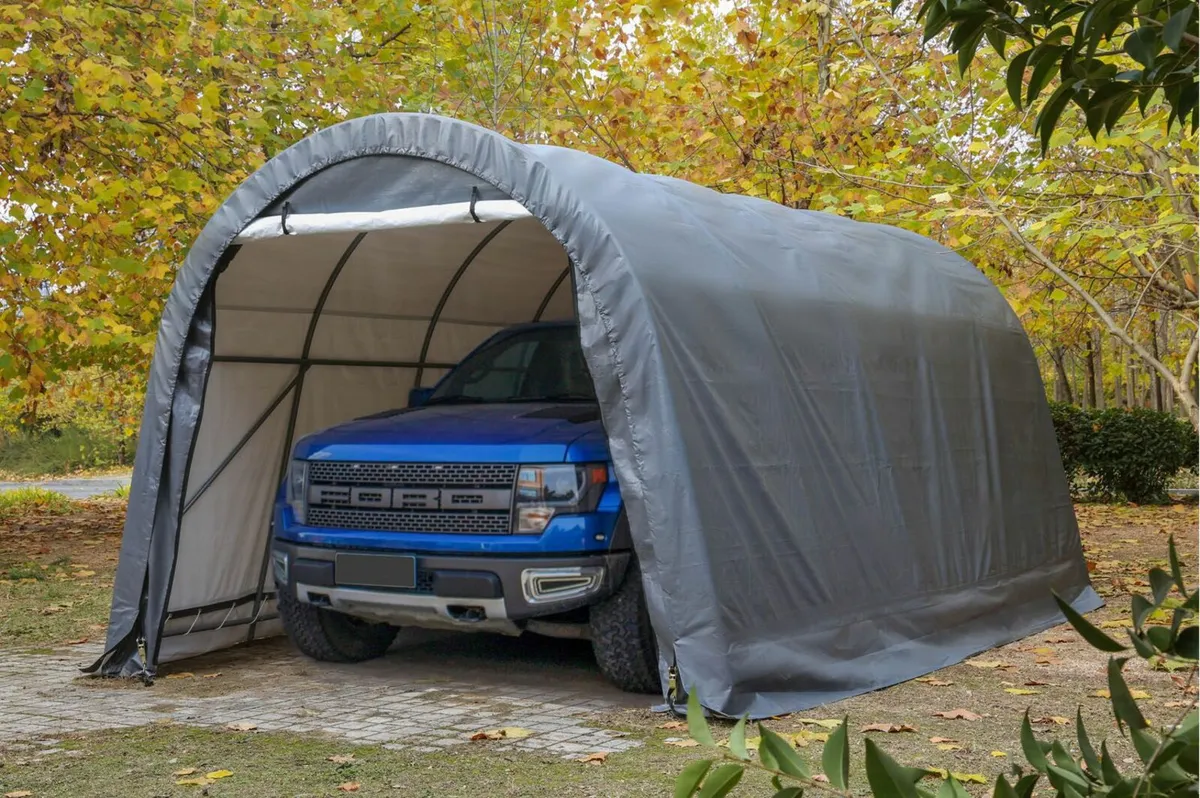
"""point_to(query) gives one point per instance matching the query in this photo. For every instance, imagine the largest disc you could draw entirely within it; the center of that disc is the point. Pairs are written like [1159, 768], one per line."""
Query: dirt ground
[56, 572]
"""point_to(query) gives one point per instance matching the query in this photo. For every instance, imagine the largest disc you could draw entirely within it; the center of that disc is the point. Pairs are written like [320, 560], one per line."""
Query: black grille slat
[412, 475]
[447, 521]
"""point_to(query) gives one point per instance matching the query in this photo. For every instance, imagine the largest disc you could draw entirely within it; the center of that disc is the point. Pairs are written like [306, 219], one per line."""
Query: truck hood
[498, 433]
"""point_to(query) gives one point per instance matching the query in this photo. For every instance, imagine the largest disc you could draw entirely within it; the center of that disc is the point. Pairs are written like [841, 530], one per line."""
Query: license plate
[375, 570]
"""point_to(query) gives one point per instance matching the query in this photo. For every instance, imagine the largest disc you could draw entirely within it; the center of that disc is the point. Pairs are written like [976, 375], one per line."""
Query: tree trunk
[1062, 384]
[1131, 383]
[1098, 384]
[1155, 381]
[1118, 384]
[1089, 373]
[824, 27]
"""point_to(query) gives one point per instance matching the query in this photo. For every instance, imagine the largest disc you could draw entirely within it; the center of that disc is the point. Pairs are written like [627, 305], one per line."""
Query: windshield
[541, 364]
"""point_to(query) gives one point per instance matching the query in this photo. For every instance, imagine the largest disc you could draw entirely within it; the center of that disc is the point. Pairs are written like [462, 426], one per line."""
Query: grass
[142, 762]
[57, 559]
[31, 455]
[24, 501]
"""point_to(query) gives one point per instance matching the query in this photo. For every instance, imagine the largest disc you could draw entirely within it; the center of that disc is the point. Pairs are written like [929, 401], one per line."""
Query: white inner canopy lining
[359, 222]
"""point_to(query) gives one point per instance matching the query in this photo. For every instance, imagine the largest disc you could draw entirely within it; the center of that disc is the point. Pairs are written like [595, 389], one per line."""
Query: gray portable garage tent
[832, 437]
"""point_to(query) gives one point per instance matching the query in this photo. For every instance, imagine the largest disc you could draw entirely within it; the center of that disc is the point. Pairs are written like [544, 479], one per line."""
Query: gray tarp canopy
[832, 437]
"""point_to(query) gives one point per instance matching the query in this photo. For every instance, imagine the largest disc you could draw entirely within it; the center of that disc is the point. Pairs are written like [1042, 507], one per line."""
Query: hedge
[1120, 453]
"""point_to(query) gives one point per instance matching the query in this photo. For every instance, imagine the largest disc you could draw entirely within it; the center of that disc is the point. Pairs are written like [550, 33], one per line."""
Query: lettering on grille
[465, 498]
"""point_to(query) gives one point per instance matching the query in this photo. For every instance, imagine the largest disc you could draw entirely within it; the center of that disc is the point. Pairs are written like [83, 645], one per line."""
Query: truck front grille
[451, 498]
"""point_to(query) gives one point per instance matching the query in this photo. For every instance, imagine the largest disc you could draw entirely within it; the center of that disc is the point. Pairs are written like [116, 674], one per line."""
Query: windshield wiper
[455, 400]
[557, 397]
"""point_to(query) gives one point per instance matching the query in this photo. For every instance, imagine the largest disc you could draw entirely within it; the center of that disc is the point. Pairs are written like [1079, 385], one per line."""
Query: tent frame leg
[291, 425]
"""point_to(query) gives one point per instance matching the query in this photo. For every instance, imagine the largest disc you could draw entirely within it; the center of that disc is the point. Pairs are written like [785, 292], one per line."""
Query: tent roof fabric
[832, 437]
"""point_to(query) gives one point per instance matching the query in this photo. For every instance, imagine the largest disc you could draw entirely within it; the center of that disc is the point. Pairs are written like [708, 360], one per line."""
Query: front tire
[331, 636]
[623, 639]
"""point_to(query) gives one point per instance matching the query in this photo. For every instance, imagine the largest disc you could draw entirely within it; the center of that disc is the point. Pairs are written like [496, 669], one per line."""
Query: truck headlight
[297, 488]
[546, 491]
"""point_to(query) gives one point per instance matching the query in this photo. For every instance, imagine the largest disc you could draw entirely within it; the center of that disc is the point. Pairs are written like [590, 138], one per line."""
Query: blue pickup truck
[488, 504]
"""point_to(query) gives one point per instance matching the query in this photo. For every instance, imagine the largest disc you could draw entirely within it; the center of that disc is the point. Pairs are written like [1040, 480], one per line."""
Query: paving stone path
[271, 687]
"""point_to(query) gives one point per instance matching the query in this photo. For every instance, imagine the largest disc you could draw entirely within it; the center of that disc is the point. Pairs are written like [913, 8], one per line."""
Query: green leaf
[1045, 63]
[722, 781]
[1141, 608]
[1047, 118]
[1144, 743]
[997, 39]
[1143, 45]
[697, 726]
[1085, 745]
[1034, 753]
[835, 759]
[1124, 707]
[1108, 770]
[886, 777]
[1176, 568]
[1094, 637]
[34, 90]
[737, 740]
[1003, 789]
[1060, 776]
[1016, 76]
[1025, 784]
[1187, 645]
[966, 51]
[781, 753]
[1176, 26]
[1161, 638]
[690, 777]
[952, 789]
[1160, 585]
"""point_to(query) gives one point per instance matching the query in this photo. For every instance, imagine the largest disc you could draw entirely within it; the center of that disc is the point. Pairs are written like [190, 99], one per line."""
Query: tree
[1078, 40]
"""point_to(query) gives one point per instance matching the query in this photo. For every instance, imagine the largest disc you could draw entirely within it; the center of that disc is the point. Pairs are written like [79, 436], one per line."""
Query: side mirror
[419, 396]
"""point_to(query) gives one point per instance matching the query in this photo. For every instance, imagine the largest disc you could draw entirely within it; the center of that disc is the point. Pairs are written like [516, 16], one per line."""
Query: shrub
[25, 500]
[1119, 453]
[1168, 757]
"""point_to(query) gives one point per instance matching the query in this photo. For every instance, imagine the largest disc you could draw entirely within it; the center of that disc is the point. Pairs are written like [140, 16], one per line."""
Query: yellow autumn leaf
[196, 782]
[1021, 691]
[999, 754]
[219, 774]
[1138, 695]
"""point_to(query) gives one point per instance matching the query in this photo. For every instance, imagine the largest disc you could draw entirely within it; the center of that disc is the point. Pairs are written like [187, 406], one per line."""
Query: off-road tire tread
[327, 636]
[623, 639]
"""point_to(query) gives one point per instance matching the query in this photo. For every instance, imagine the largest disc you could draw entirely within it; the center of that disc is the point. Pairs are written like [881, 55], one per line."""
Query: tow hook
[467, 614]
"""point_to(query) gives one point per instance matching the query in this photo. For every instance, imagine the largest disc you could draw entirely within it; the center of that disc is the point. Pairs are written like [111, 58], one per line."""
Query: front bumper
[495, 594]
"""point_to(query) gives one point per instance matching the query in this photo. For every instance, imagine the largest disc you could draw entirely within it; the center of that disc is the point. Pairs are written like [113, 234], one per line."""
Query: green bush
[1168, 757]
[67, 450]
[1119, 453]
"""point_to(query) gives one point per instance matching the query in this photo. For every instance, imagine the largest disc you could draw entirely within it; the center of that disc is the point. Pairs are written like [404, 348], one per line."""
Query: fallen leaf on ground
[823, 723]
[1120, 623]
[341, 759]
[949, 747]
[184, 772]
[1063, 639]
[209, 675]
[1178, 704]
[594, 759]
[1048, 661]
[989, 664]
[350, 786]
[958, 714]
[998, 753]
[18, 794]
[507, 733]
[242, 726]
[937, 740]
[78, 642]
[180, 675]
[1138, 695]
[218, 774]
[1049, 720]
[1036, 683]
[889, 728]
[965, 778]
[196, 782]
[1021, 691]
[681, 743]
[932, 682]
[821, 777]
[674, 725]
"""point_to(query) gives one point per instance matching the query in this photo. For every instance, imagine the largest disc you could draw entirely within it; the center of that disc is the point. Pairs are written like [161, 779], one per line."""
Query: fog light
[543, 585]
[279, 564]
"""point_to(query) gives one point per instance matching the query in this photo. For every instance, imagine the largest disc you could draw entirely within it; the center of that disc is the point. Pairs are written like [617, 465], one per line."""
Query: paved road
[82, 488]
